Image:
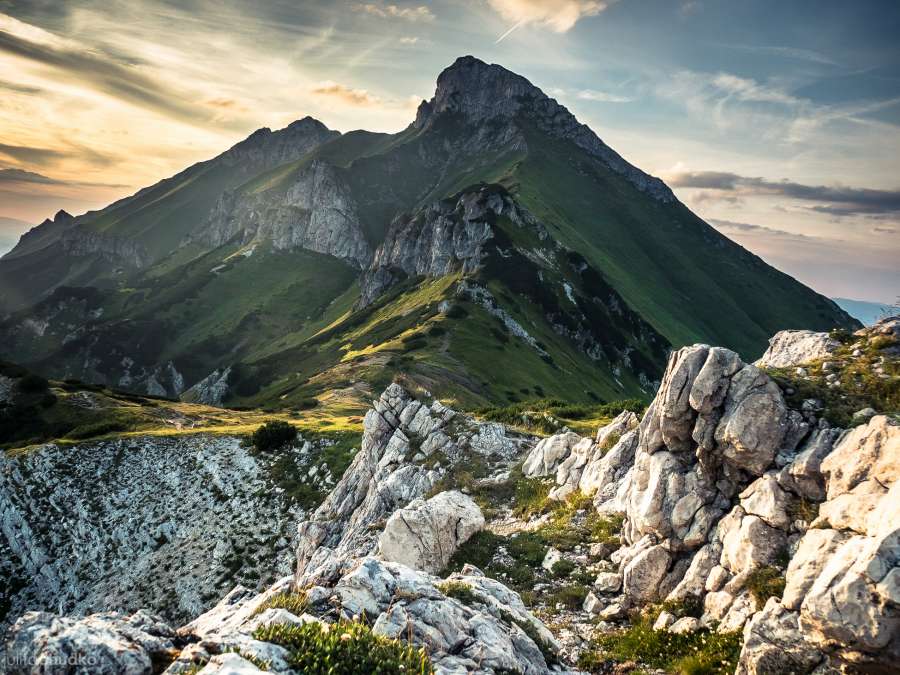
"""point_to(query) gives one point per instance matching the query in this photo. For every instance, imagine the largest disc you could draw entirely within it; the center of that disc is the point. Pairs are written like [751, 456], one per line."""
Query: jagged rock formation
[387, 474]
[166, 524]
[716, 485]
[442, 238]
[317, 211]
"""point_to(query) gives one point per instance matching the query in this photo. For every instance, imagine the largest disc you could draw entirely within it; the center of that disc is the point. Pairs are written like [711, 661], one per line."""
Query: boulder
[425, 534]
[643, 574]
[774, 643]
[789, 348]
[547, 455]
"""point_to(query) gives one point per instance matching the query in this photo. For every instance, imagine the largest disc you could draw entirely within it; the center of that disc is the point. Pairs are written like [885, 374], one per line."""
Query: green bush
[344, 648]
[562, 568]
[33, 384]
[273, 435]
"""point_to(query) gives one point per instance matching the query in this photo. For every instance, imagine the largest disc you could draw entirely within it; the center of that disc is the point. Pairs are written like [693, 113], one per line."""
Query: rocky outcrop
[211, 390]
[442, 238]
[425, 534]
[841, 598]
[315, 210]
[105, 644]
[265, 149]
[391, 470]
[795, 347]
[483, 93]
[167, 524]
[717, 486]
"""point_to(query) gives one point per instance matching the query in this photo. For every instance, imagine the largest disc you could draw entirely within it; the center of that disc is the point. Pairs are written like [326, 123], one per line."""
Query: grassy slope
[687, 280]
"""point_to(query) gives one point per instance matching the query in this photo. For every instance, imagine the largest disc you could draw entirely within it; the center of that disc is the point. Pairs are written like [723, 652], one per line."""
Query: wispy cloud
[31, 155]
[785, 52]
[101, 72]
[602, 96]
[557, 15]
[13, 176]
[836, 200]
[417, 13]
[409, 40]
[340, 92]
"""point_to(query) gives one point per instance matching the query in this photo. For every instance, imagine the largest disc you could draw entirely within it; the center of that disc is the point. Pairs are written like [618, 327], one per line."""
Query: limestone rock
[789, 348]
[547, 455]
[425, 534]
[107, 643]
[685, 625]
[644, 574]
[774, 643]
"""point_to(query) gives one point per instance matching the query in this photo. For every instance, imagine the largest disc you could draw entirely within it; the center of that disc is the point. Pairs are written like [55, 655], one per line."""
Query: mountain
[495, 250]
[866, 312]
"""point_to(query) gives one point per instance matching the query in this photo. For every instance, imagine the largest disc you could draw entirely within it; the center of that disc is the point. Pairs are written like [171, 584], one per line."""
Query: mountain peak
[479, 91]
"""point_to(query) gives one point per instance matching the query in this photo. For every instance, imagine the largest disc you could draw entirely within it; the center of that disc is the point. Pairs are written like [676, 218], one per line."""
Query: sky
[777, 122]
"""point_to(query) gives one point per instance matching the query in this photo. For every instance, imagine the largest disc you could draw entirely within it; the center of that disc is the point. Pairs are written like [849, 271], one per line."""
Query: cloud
[22, 176]
[102, 72]
[785, 52]
[408, 40]
[557, 15]
[749, 228]
[356, 97]
[836, 200]
[418, 13]
[19, 88]
[884, 230]
[31, 155]
[745, 89]
[601, 96]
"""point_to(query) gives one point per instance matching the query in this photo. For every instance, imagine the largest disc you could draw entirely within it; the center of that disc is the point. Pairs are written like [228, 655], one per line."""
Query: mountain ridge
[609, 273]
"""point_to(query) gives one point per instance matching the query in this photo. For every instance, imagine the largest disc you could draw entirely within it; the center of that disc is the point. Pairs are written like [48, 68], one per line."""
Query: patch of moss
[459, 591]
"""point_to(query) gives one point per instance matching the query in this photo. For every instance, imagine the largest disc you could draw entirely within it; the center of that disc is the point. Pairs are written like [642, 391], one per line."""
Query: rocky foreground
[736, 512]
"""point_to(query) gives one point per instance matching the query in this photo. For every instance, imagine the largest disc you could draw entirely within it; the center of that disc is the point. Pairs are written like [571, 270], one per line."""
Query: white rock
[663, 621]
[685, 625]
[608, 582]
[795, 347]
[551, 558]
[425, 534]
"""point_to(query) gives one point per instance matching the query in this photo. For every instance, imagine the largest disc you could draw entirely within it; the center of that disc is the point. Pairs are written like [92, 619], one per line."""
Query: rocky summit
[732, 526]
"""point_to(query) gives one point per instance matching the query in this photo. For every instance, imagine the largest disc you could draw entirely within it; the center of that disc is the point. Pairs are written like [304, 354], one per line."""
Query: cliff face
[443, 238]
[317, 211]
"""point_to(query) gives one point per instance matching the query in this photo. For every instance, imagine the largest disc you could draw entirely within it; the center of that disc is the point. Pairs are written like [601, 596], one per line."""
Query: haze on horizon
[779, 123]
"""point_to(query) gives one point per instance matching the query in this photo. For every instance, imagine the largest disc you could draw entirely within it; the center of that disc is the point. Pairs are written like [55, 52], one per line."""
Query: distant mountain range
[867, 312]
[495, 250]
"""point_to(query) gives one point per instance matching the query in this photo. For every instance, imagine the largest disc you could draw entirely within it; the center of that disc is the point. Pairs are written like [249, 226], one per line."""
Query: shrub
[459, 590]
[571, 596]
[531, 497]
[48, 400]
[695, 653]
[295, 603]
[457, 312]
[764, 583]
[308, 403]
[344, 648]
[273, 435]
[33, 384]
[562, 568]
